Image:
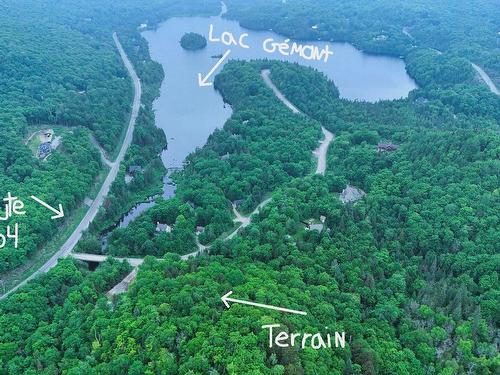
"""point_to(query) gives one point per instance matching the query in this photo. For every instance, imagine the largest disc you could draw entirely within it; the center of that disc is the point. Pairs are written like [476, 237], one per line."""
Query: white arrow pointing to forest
[58, 213]
[202, 81]
[225, 299]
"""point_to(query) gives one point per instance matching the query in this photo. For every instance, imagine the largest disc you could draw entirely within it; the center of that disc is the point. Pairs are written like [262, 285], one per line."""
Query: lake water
[188, 113]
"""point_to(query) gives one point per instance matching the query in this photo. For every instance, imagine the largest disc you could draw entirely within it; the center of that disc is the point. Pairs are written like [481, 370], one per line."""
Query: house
[160, 227]
[311, 225]
[351, 194]
[317, 227]
[225, 156]
[44, 150]
[421, 101]
[199, 230]
[133, 169]
[322, 218]
[382, 147]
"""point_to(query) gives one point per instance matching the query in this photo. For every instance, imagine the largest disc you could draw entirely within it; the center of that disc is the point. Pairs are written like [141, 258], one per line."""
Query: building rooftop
[351, 194]
[316, 227]
[386, 147]
[132, 169]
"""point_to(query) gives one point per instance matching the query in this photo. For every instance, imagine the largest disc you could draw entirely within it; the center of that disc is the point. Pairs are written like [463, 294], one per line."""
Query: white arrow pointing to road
[225, 298]
[58, 213]
[202, 81]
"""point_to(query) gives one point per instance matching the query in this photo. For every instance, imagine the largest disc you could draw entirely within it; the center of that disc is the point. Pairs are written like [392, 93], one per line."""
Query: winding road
[123, 285]
[486, 78]
[322, 150]
[244, 221]
[71, 242]
[104, 157]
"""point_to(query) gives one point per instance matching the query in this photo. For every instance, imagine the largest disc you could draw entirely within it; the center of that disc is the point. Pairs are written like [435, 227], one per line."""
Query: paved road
[123, 285]
[322, 150]
[68, 246]
[134, 262]
[244, 221]
[486, 78]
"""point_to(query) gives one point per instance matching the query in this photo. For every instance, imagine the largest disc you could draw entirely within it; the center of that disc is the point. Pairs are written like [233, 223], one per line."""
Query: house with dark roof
[44, 150]
[386, 147]
[160, 227]
[133, 169]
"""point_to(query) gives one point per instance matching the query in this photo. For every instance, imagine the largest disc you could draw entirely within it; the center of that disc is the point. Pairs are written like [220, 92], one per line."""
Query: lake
[188, 113]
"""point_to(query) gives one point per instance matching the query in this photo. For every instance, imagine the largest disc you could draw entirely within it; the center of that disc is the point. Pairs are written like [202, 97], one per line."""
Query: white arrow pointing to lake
[58, 213]
[202, 81]
[225, 298]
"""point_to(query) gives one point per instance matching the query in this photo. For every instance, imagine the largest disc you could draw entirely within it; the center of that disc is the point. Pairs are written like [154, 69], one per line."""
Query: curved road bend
[123, 285]
[68, 246]
[486, 78]
[104, 157]
[244, 222]
[322, 150]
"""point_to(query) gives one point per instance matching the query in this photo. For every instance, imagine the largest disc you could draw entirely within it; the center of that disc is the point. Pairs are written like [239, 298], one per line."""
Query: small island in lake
[193, 41]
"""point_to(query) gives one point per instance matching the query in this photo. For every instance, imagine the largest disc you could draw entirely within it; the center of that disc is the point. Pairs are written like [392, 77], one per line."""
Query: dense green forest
[76, 160]
[410, 272]
[60, 67]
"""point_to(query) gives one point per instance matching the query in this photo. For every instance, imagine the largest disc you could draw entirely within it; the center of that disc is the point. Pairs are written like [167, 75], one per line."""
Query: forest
[410, 272]
[60, 68]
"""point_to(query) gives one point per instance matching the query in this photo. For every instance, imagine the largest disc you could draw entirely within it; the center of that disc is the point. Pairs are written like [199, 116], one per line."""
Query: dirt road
[265, 75]
[486, 78]
[322, 150]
